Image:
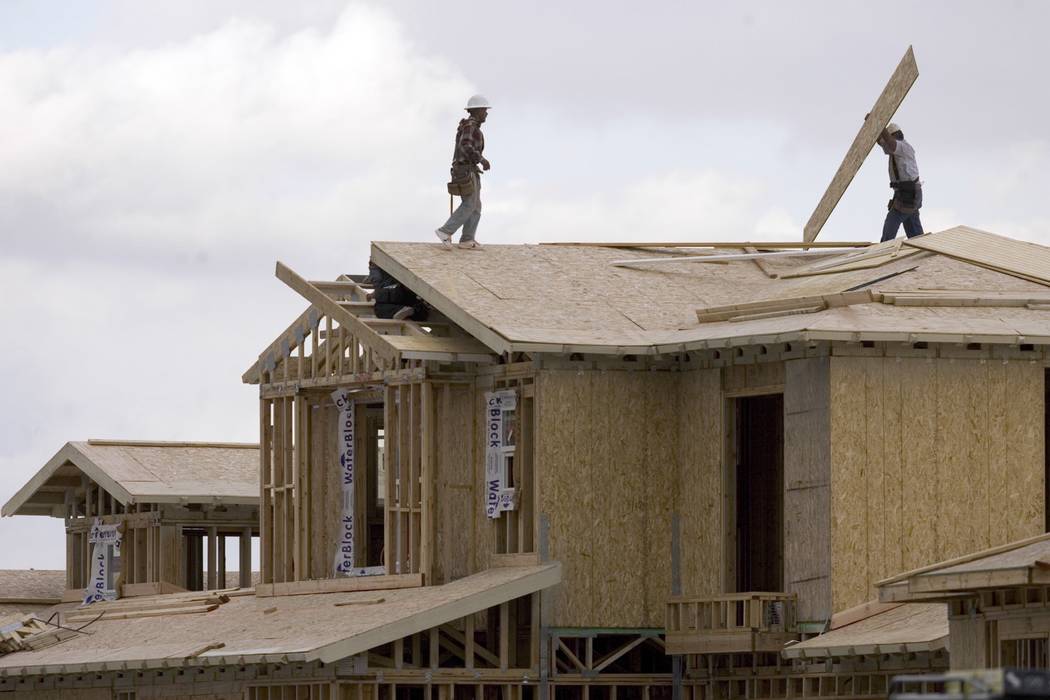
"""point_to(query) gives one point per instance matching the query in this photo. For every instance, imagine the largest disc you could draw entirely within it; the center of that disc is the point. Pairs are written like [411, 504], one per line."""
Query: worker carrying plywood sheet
[904, 179]
[466, 178]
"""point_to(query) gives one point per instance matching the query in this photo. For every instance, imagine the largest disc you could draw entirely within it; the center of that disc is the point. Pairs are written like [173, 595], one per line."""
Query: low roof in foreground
[958, 285]
[900, 628]
[322, 627]
[1021, 563]
[144, 472]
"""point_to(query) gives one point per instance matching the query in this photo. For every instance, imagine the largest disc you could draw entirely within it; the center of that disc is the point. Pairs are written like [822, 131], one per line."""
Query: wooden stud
[213, 558]
[245, 555]
[504, 636]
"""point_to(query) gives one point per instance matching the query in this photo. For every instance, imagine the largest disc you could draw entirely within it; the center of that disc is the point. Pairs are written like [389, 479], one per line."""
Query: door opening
[757, 488]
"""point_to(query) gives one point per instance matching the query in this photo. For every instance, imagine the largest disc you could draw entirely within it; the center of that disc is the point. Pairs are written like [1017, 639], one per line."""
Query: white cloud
[181, 144]
[679, 205]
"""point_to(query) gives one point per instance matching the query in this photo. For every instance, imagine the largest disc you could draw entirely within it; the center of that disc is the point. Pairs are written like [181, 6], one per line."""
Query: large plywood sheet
[885, 107]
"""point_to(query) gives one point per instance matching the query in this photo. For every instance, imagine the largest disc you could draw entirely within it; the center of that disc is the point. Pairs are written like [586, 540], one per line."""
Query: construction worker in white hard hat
[466, 177]
[904, 179]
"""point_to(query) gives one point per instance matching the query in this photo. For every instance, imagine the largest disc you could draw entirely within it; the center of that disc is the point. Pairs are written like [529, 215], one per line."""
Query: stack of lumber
[13, 635]
[158, 606]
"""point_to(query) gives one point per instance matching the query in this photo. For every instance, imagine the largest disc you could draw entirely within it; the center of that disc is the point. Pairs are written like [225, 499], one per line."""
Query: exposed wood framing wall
[930, 459]
[301, 489]
[765, 676]
[407, 544]
[158, 542]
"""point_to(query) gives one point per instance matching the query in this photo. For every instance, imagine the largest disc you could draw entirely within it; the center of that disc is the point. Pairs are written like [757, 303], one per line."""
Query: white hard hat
[478, 102]
[892, 128]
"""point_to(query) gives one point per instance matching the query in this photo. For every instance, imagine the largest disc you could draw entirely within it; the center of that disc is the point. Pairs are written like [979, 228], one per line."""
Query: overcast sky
[156, 158]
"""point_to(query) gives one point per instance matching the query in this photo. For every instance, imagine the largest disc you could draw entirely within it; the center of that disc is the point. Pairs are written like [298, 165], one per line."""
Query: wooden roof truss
[338, 337]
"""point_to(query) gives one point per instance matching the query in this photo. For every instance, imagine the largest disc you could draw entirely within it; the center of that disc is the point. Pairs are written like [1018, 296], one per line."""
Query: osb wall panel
[930, 459]
[698, 486]
[325, 494]
[606, 444]
[968, 637]
[807, 486]
[456, 520]
[754, 376]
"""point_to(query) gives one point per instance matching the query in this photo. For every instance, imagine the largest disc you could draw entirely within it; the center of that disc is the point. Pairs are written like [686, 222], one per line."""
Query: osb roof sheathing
[140, 472]
[32, 585]
[906, 628]
[560, 299]
[325, 627]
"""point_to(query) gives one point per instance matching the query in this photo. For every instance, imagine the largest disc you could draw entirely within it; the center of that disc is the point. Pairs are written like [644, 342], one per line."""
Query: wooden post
[504, 636]
[265, 493]
[246, 558]
[220, 569]
[213, 562]
[469, 649]
[180, 559]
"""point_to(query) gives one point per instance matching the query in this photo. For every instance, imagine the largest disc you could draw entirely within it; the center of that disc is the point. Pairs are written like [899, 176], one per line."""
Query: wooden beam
[331, 307]
[245, 565]
[213, 558]
[760, 263]
[885, 107]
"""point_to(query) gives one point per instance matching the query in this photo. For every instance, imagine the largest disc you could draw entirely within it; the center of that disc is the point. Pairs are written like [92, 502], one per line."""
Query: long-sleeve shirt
[470, 143]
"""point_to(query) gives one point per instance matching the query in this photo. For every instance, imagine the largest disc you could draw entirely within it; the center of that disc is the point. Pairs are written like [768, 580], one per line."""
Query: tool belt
[462, 182]
[907, 196]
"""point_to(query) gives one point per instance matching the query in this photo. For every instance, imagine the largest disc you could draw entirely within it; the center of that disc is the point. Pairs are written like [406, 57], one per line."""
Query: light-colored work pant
[467, 214]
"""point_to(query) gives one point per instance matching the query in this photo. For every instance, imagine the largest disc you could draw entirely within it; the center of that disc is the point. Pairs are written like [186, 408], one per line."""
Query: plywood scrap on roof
[872, 256]
[1028, 261]
[966, 297]
[885, 106]
[780, 307]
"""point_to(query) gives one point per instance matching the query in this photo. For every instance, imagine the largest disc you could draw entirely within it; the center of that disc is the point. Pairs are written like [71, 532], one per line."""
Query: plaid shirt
[470, 143]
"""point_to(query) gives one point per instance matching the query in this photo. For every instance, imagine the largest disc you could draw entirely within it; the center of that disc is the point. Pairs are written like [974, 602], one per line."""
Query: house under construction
[619, 471]
[576, 479]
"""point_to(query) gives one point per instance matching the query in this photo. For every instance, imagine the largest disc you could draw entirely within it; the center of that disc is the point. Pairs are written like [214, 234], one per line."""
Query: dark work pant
[894, 219]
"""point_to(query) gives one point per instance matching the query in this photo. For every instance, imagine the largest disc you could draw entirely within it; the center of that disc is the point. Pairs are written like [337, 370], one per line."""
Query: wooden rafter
[332, 308]
[283, 344]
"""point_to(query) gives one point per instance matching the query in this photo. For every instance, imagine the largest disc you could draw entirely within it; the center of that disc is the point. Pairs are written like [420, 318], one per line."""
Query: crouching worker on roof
[904, 179]
[466, 178]
[393, 299]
